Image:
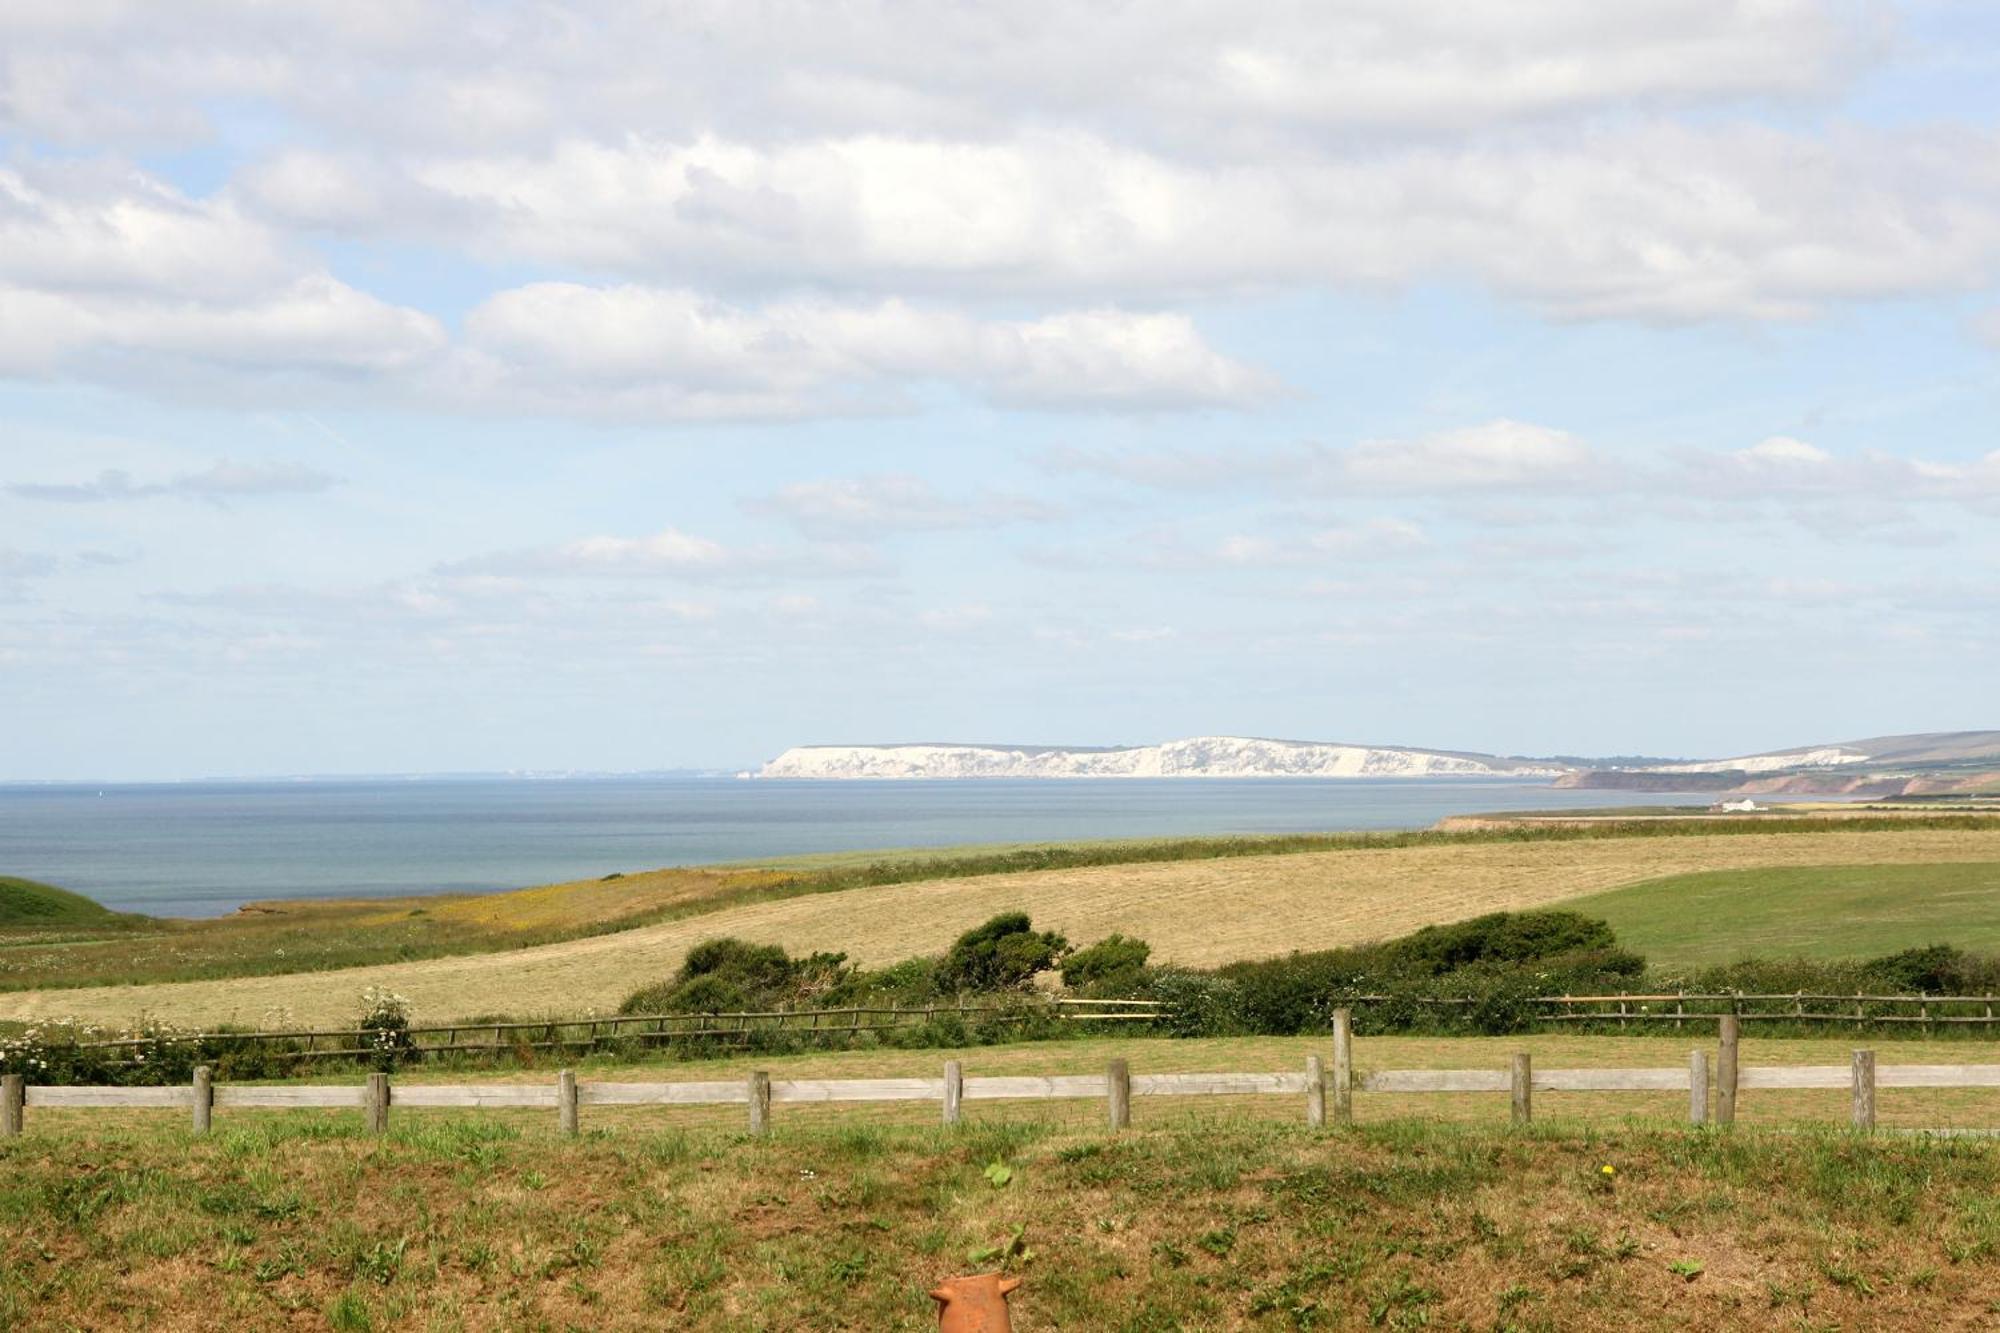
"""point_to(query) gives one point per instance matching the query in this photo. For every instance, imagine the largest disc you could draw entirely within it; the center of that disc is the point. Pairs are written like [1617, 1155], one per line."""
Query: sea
[192, 849]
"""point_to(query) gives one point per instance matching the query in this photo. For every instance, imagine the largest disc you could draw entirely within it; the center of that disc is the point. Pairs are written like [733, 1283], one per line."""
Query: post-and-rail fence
[1674, 1009]
[1326, 1091]
[588, 1033]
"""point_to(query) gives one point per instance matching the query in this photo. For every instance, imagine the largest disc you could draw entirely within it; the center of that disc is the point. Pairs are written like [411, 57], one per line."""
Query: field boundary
[587, 1033]
[1320, 1085]
[737, 1026]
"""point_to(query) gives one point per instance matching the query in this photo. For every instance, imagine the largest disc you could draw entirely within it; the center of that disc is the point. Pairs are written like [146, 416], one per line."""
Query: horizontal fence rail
[588, 1033]
[1804, 1007]
[1725, 1077]
[740, 1028]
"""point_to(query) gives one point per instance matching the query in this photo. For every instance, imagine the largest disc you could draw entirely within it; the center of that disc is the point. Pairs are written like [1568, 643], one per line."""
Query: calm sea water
[201, 849]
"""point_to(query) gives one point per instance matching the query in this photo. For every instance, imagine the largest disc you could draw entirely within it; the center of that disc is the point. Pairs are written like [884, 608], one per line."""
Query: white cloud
[1514, 458]
[220, 482]
[872, 506]
[114, 275]
[1493, 457]
[1782, 467]
[1650, 221]
[1205, 75]
[670, 553]
[657, 352]
[1496, 456]
[1370, 539]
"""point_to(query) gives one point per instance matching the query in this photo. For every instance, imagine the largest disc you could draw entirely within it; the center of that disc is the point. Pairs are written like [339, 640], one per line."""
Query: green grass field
[1810, 911]
[465, 1223]
[26, 905]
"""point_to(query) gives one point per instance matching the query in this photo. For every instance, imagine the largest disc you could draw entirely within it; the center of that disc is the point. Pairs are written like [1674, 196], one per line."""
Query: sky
[444, 385]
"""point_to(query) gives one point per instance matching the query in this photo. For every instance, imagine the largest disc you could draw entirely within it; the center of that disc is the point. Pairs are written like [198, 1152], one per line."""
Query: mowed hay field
[1196, 912]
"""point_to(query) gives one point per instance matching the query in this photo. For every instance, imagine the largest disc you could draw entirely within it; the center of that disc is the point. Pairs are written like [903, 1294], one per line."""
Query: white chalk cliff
[1197, 757]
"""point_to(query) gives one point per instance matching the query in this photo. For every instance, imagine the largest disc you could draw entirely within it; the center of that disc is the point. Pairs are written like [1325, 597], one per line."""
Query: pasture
[1199, 912]
[1209, 1216]
[1831, 911]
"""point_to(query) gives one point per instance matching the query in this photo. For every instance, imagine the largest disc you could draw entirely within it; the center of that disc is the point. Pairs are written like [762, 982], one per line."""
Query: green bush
[1003, 954]
[1937, 969]
[912, 981]
[1475, 976]
[1112, 968]
[1199, 1004]
[1282, 997]
[730, 975]
[1499, 937]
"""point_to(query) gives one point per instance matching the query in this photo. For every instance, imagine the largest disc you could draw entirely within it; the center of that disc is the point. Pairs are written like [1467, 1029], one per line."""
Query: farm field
[50, 938]
[1834, 911]
[488, 1222]
[1192, 911]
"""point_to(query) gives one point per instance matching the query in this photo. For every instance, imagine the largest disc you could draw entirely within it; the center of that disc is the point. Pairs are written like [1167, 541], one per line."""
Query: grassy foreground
[1816, 911]
[473, 1223]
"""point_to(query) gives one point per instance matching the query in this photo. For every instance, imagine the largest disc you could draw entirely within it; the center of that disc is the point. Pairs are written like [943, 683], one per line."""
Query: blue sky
[453, 386]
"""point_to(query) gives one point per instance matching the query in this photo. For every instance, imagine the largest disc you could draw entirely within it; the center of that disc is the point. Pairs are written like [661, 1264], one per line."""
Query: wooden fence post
[1118, 1093]
[1343, 1066]
[1698, 1088]
[566, 1101]
[378, 1103]
[13, 1100]
[1315, 1092]
[1524, 1088]
[1725, 1071]
[954, 1091]
[1864, 1089]
[760, 1102]
[204, 1098]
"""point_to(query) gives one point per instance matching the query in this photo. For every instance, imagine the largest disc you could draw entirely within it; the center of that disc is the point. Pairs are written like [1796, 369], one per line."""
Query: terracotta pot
[974, 1304]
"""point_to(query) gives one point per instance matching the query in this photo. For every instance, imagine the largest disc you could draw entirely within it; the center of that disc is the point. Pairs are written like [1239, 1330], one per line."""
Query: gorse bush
[1474, 976]
[731, 975]
[1501, 937]
[1112, 968]
[1003, 954]
[726, 975]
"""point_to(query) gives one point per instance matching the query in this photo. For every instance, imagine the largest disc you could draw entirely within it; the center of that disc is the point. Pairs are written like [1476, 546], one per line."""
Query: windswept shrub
[1003, 954]
[1936, 969]
[1112, 968]
[729, 975]
[1499, 937]
[757, 967]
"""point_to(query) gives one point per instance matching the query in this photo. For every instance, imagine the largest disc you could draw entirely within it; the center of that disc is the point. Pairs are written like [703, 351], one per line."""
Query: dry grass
[298, 935]
[1199, 912]
[456, 1224]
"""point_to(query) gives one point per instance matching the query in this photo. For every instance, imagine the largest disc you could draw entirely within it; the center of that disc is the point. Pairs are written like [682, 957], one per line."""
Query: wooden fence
[1678, 1009]
[585, 1034]
[1318, 1087]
